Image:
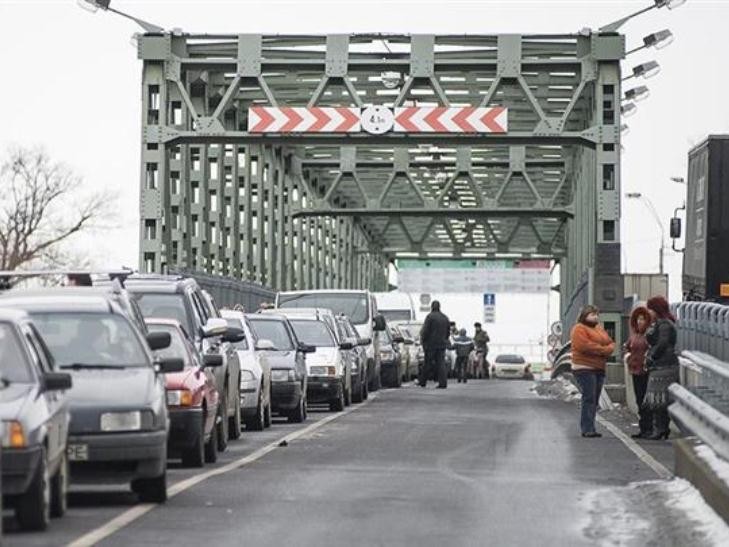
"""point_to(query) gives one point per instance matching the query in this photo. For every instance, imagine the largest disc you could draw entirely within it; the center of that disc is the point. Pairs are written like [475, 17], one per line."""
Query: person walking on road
[481, 341]
[464, 347]
[591, 347]
[636, 349]
[435, 338]
[662, 363]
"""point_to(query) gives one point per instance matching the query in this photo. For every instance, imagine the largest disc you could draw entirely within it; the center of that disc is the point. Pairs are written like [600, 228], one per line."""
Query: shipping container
[706, 258]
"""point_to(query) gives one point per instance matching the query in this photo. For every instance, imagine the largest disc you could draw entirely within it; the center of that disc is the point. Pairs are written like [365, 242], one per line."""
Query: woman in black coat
[662, 363]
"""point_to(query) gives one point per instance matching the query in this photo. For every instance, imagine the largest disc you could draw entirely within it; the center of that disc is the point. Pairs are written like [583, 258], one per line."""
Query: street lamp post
[656, 216]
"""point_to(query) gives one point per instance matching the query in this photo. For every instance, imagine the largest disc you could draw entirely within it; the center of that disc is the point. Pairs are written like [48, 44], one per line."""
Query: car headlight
[247, 376]
[121, 421]
[179, 397]
[283, 375]
[323, 371]
[355, 366]
[387, 354]
[13, 435]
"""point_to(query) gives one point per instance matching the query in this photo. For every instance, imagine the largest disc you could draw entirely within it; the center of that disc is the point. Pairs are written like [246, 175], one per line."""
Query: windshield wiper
[79, 366]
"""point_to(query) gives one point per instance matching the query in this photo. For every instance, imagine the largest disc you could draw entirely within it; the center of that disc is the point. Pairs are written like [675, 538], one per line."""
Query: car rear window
[275, 331]
[510, 359]
[177, 348]
[164, 306]
[313, 333]
[238, 324]
[14, 366]
[353, 305]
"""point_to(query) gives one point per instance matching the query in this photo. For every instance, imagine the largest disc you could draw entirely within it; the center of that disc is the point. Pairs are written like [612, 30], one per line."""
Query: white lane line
[636, 449]
[127, 517]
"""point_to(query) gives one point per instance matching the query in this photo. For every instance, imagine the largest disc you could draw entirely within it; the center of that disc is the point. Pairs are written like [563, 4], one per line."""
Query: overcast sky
[71, 84]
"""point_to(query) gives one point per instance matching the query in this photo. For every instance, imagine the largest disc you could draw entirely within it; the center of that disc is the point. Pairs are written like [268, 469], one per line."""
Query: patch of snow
[718, 464]
[559, 388]
[684, 497]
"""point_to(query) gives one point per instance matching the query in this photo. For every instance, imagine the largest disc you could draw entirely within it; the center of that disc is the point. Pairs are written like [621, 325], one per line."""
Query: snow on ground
[559, 388]
[654, 513]
[718, 464]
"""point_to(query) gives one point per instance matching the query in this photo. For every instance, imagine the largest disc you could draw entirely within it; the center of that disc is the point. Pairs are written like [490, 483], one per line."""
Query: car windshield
[396, 315]
[238, 324]
[353, 305]
[14, 366]
[313, 333]
[510, 359]
[177, 348]
[414, 330]
[164, 306]
[91, 339]
[275, 331]
[386, 336]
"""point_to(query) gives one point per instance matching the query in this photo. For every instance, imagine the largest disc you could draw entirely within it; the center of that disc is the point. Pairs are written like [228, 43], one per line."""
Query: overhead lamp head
[633, 195]
[646, 70]
[624, 129]
[391, 79]
[637, 94]
[659, 39]
[670, 4]
[93, 5]
[628, 109]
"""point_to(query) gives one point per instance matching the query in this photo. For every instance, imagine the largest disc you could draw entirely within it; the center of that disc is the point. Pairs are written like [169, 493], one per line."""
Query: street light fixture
[656, 216]
[628, 109]
[657, 4]
[645, 70]
[679, 180]
[637, 94]
[657, 40]
[95, 5]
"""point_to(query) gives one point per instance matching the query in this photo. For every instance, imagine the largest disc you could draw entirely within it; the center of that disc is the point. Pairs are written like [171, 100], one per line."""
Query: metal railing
[704, 327]
[228, 292]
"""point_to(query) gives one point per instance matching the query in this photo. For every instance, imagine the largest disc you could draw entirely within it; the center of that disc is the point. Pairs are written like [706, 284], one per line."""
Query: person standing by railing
[591, 347]
[636, 349]
[662, 363]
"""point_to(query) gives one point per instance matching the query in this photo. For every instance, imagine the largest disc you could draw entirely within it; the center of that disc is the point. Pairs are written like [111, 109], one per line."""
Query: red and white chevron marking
[442, 119]
[286, 119]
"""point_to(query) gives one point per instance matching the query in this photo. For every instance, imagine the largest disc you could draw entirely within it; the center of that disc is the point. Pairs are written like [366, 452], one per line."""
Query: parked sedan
[119, 419]
[193, 398]
[357, 356]
[35, 418]
[255, 376]
[412, 348]
[274, 335]
[391, 360]
[512, 366]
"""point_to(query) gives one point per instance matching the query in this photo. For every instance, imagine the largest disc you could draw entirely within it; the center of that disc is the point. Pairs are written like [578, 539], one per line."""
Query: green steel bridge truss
[316, 210]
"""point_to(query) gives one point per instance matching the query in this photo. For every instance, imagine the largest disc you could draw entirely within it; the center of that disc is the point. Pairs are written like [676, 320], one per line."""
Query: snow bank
[559, 388]
[718, 464]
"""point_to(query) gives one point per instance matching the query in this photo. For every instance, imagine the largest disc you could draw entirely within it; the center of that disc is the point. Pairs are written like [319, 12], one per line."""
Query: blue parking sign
[489, 299]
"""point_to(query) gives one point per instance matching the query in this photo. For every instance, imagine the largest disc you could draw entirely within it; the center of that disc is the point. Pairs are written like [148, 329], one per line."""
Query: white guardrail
[701, 404]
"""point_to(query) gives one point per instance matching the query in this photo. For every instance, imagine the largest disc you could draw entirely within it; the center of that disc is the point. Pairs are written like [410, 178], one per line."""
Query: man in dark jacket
[481, 341]
[464, 347]
[434, 336]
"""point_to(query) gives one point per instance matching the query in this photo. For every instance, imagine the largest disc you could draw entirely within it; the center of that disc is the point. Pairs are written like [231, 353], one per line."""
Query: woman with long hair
[636, 348]
[591, 347]
[662, 363]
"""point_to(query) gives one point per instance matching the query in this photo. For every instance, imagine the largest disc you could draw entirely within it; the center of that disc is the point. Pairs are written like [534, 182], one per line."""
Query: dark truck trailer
[706, 258]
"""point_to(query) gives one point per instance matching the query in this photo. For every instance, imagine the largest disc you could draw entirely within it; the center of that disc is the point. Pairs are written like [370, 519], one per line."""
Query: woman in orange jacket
[591, 347]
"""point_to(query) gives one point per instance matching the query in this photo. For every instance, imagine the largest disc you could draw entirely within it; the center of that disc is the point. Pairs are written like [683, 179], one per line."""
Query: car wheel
[257, 422]
[358, 394]
[152, 490]
[267, 415]
[195, 455]
[211, 447]
[234, 425]
[348, 396]
[33, 509]
[223, 424]
[397, 378]
[365, 390]
[59, 489]
[337, 405]
[298, 415]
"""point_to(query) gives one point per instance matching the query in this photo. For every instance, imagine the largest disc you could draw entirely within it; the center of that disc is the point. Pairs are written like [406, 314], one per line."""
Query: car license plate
[78, 452]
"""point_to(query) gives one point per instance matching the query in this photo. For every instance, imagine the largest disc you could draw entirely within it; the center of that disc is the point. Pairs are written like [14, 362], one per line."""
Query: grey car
[119, 420]
[35, 418]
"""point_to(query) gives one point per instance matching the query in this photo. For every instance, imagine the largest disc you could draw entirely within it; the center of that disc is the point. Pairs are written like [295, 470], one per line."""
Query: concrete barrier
[693, 468]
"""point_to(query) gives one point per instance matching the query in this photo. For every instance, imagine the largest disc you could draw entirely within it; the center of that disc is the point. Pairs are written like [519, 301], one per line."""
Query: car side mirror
[265, 345]
[171, 364]
[398, 340]
[675, 228]
[215, 326]
[56, 381]
[234, 334]
[379, 323]
[408, 342]
[212, 360]
[306, 348]
[364, 341]
[158, 340]
[346, 346]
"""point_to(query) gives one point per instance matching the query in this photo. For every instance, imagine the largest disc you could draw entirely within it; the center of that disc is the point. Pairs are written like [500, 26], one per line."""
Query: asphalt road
[483, 463]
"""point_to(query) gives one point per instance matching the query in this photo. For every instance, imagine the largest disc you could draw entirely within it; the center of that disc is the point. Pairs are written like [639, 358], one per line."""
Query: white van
[396, 306]
[361, 308]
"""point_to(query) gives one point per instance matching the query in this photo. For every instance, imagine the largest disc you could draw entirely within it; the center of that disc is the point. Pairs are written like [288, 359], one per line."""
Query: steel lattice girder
[550, 186]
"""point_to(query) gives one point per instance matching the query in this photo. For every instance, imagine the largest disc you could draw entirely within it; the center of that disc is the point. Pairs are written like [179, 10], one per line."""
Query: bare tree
[42, 205]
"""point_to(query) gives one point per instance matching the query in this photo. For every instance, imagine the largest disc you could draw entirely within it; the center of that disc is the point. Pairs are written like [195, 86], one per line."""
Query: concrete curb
[695, 470]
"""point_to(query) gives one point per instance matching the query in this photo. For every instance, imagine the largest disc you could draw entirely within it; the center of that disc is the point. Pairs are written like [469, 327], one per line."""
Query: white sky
[71, 83]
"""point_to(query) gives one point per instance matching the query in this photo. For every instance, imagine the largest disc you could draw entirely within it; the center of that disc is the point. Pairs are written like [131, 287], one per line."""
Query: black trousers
[461, 368]
[434, 363]
[640, 385]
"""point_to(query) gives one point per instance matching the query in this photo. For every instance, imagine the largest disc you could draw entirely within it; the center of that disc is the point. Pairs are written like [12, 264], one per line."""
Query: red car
[192, 398]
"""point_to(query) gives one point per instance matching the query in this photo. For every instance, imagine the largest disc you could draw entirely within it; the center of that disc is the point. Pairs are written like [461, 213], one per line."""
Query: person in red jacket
[591, 347]
[636, 348]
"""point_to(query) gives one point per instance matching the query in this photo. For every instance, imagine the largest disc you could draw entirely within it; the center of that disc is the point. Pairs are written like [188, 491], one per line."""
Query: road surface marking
[636, 449]
[127, 517]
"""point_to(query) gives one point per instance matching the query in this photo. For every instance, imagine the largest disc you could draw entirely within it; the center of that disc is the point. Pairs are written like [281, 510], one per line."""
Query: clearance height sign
[474, 276]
